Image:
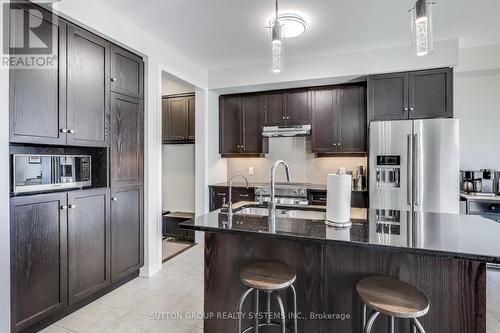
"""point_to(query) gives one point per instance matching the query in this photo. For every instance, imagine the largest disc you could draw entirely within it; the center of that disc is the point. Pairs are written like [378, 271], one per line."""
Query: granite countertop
[479, 197]
[317, 187]
[468, 237]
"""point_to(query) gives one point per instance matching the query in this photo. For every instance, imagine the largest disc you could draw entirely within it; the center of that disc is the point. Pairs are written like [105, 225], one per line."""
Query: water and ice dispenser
[388, 171]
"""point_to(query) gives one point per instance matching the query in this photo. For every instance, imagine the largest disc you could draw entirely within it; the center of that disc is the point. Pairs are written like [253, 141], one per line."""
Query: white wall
[216, 166]
[158, 55]
[4, 194]
[178, 169]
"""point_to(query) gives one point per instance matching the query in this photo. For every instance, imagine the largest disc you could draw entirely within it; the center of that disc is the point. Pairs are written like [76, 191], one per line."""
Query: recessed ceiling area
[228, 33]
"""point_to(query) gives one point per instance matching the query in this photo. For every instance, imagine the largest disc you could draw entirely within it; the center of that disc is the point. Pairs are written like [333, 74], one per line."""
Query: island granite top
[467, 237]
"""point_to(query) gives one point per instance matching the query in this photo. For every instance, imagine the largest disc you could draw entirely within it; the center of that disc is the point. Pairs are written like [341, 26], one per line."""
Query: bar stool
[268, 277]
[393, 298]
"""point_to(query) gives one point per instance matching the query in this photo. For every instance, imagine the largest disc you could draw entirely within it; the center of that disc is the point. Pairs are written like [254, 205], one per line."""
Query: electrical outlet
[250, 171]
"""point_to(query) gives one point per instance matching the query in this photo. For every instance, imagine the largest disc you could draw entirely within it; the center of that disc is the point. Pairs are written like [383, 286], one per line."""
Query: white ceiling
[227, 33]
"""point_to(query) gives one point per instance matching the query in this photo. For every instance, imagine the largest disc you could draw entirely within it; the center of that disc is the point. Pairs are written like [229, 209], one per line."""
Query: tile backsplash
[296, 151]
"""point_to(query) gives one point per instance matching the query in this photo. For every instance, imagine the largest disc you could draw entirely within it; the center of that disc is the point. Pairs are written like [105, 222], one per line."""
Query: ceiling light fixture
[276, 44]
[293, 25]
[421, 26]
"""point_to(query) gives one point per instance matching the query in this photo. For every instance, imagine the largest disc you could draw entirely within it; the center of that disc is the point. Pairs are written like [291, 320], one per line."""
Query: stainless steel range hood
[286, 131]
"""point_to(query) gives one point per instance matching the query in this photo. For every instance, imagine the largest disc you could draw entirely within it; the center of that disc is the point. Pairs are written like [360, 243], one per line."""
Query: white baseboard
[149, 271]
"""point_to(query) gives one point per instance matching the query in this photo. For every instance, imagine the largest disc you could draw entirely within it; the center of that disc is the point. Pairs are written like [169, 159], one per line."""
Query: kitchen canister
[338, 202]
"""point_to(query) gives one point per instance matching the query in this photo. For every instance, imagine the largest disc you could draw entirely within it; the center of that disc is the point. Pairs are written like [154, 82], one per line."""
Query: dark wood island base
[327, 273]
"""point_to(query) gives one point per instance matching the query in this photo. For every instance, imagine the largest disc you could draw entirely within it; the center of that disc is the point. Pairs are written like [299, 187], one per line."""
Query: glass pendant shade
[421, 27]
[276, 47]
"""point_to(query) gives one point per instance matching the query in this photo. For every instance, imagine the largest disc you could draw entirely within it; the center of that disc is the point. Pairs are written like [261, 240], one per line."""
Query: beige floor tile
[95, 317]
[132, 323]
[178, 269]
[492, 324]
[166, 326]
[180, 286]
[56, 329]
[126, 297]
[158, 304]
[192, 312]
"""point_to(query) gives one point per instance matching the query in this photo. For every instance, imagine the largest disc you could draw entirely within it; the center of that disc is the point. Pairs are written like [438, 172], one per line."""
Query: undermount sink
[292, 214]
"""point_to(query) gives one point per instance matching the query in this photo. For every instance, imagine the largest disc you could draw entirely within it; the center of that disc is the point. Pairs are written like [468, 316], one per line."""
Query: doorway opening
[178, 164]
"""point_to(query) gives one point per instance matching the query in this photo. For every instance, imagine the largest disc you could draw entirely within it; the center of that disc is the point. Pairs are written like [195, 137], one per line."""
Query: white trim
[149, 271]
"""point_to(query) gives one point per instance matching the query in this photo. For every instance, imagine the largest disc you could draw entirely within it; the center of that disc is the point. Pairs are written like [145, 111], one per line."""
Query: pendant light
[421, 27]
[276, 44]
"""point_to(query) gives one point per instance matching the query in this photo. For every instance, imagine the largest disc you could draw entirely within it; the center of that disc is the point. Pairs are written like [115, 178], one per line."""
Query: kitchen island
[443, 255]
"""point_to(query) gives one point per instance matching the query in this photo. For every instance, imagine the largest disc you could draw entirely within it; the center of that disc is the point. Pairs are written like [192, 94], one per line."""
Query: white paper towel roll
[338, 202]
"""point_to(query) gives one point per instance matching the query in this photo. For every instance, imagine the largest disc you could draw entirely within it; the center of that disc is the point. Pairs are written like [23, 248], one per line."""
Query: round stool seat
[268, 275]
[393, 297]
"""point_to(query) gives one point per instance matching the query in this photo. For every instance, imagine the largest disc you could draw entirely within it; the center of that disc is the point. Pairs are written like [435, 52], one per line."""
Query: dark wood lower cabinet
[89, 236]
[38, 258]
[127, 230]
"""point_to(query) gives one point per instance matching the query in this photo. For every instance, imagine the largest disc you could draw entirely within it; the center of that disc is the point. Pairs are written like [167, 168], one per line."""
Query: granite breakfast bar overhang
[443, 255]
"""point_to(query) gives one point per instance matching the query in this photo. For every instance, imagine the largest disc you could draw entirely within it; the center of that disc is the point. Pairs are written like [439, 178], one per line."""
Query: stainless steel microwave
[39, 173]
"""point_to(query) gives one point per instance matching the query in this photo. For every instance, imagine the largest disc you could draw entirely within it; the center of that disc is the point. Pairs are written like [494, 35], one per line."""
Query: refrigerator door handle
[408, 170]
[416, 168]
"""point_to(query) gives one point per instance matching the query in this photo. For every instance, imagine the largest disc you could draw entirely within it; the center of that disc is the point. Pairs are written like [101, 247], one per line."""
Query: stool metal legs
[367, 325]
[268, 322]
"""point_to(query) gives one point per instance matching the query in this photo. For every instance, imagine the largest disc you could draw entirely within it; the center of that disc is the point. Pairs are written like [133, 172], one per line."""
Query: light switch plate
[250, 170]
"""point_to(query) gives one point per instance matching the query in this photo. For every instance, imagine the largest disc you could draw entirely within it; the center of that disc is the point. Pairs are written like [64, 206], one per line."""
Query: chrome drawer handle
[244, 195]
[221, 194]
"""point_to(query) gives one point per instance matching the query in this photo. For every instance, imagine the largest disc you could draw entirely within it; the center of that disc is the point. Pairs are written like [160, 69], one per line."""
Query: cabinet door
[191, 117]
[127, 231]
[324, 129]
[388, 96]
[298, 111]
[127, 147]
[87, 88]
[274, 109]
[252, 124]
[127, 73]
[89, 236]
[38, 258]
[431, 94]
[37, 97]
[351, 135]
[218, 197]
[177, 119]
[230, 120]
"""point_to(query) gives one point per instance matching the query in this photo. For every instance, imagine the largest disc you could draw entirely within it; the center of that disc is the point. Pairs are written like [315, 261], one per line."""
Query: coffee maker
[484, 182]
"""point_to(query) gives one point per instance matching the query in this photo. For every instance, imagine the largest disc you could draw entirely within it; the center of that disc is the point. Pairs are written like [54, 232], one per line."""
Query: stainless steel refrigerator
[414, 165]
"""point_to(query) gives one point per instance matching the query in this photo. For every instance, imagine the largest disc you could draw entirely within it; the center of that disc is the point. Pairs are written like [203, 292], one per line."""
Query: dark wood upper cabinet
[298, 111]
[388, 96]
[89, 247]
[178, 119]
[339, 120]
[127, 140]
[274, 109]
[38, 96]
[87, 89]
[324, 120]
[127, 230]
[251, 106]
[352, 131]
[38, 227]
[240, 122]
[287, 108]
[411, 95]
[431, 94]
[127, 72]
[191, 102]
[230, 120]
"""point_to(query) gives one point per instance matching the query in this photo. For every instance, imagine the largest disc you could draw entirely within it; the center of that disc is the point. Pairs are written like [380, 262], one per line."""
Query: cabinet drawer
[489, 207]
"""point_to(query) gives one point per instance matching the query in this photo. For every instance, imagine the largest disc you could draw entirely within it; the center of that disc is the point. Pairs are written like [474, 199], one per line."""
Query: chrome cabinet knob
[71, 131]
[406, 109]
[114, 198]
[72, 206]
[284, 117]
[64, 130]
[411, 109]
[113, 79]
[64, 207]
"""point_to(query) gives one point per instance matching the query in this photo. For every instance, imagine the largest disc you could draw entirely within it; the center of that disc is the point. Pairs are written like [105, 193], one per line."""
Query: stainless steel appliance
[414, 165]
[285, 194]
[39, 173]
[286, 131]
